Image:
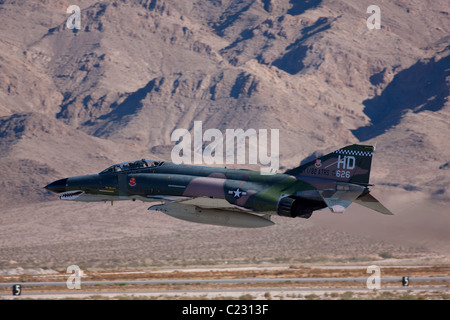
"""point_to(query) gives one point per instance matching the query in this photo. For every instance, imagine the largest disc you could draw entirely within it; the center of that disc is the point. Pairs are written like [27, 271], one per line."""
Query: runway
[229, 281]
[257, 288]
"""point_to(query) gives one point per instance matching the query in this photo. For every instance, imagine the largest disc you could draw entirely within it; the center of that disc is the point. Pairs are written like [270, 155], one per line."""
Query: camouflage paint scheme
[233, 197]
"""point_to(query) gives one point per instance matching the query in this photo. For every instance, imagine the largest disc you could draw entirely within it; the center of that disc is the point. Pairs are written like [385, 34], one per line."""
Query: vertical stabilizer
[350, 164]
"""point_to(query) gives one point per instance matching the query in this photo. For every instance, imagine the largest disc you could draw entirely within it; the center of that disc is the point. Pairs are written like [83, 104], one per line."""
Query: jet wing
[212, 203]
[370, 202]
[167, 198]
[212, 211]
[203, 202]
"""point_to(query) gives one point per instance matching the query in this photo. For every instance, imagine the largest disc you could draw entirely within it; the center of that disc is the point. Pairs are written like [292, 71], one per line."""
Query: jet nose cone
[57, 186]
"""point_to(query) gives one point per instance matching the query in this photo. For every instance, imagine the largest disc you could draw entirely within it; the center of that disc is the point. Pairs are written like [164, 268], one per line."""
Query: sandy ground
[59, 234]
[248, 283]
[40, 241]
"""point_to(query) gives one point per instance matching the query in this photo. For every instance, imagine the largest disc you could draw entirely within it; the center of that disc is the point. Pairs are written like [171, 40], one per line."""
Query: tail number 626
[342, 174]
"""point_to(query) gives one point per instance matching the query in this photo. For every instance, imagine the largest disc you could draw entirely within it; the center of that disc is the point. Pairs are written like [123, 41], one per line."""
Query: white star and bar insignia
[237, 193]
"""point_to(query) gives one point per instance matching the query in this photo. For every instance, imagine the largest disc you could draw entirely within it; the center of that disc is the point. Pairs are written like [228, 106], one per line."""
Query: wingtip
[369, 201]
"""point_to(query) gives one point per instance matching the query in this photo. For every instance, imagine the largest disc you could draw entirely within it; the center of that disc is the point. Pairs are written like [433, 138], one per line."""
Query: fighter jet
[233, 197]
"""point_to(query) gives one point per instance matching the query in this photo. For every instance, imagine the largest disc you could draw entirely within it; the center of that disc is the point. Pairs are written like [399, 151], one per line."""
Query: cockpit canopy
[132, 165]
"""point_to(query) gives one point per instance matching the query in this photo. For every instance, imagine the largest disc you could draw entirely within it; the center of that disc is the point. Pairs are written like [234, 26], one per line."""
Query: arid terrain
[74, 102]
[56, 234]
[276, 282]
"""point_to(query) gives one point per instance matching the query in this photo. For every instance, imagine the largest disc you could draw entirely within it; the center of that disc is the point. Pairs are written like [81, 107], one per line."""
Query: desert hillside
[75, 101]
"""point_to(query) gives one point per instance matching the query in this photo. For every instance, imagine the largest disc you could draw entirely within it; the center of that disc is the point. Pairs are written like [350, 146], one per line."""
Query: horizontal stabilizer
[370, 202]
[338, 200]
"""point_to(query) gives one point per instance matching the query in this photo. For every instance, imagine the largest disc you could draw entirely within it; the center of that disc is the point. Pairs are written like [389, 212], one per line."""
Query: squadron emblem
[318, 163]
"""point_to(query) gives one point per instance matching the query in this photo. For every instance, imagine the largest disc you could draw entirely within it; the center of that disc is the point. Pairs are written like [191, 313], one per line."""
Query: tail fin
[349, 164]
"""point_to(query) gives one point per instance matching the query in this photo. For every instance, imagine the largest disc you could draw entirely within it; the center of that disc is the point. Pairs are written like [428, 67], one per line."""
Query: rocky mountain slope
[76, 101]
